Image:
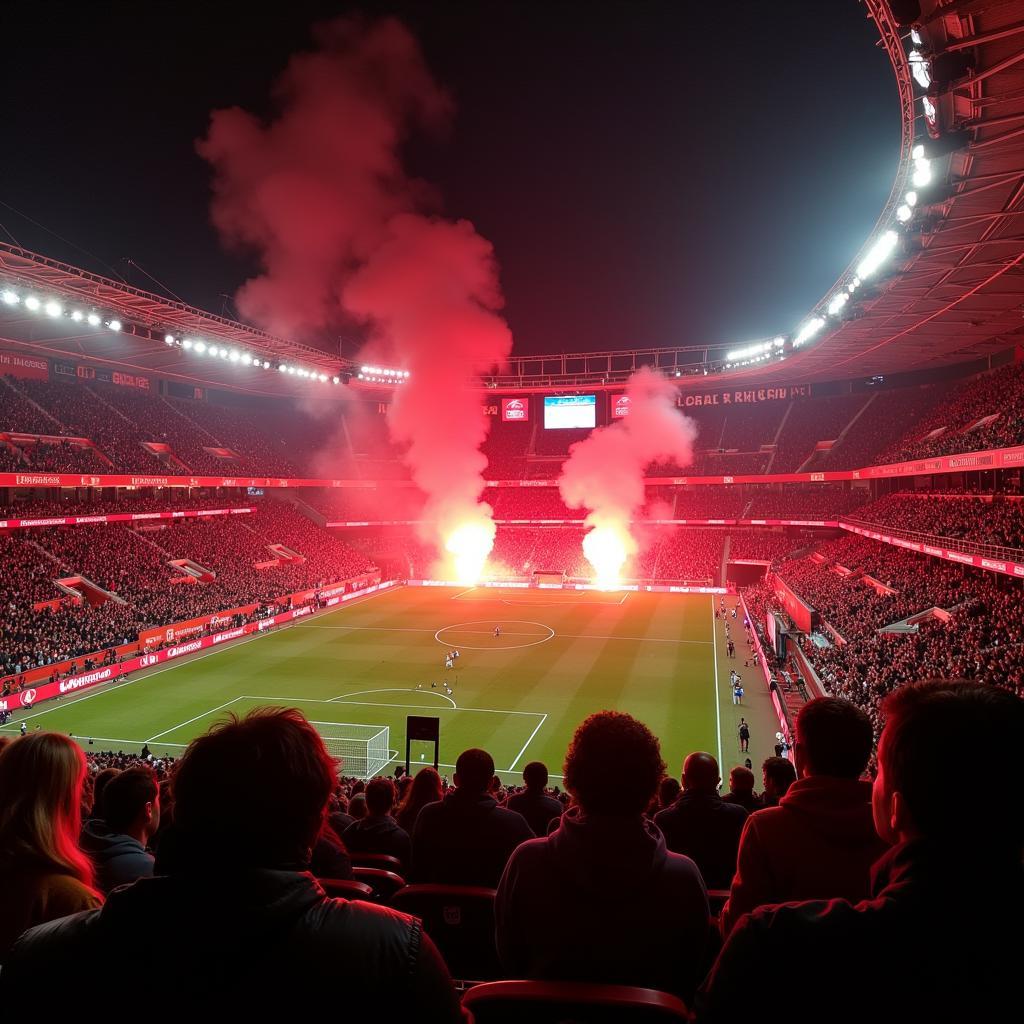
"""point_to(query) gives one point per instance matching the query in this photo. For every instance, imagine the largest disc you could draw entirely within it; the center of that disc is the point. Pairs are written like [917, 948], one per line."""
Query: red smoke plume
[345, 235]
[605, 472]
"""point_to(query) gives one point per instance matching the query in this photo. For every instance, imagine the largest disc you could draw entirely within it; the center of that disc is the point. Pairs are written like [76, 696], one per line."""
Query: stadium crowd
[953, 425]
[998, 521]
[217, 852]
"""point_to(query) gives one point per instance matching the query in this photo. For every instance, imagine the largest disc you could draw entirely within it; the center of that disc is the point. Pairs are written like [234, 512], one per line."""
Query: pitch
[560, 655]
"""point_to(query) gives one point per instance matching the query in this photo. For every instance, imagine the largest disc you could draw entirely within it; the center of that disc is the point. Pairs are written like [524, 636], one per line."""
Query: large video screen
[565, 411]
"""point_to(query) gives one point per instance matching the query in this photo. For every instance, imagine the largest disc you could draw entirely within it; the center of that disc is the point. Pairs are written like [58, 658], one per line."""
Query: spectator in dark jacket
[240, 923]
[777, 774]
[466, 838]
[741, 790]
[378, 832]
[536, 806]
[117, 842]
[926, 945]
[820, 842]
[601, 899]
[701, 825]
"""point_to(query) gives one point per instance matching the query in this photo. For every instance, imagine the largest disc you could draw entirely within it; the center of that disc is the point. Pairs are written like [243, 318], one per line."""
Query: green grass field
[561, 655]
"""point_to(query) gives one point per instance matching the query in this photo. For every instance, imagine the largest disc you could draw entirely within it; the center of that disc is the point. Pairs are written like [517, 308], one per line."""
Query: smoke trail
[345, 237]
[431, 291]
[605, 471]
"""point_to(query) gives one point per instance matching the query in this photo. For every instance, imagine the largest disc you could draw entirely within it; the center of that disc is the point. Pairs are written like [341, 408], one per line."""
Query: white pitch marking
[392, 689]
[557, 636]
[718, 696]
[144, 675]
[512, 766]
[371, 704]
[205, 714]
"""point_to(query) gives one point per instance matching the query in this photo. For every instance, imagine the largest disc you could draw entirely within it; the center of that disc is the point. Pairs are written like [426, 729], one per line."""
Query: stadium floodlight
[931, 115]
[10, 298]
[53, 308]
[838, 301]
[878, 254]
[756, 349]
[920, 68]
[915, 37]
[234, 356]
[291, 370]
[200, 347]
[910, 199]
[809, 329]
[266, 364]
[323, 378]
[904, 213]
[336, 380]
[246, 359]
[186, 343]
[223, 353]
[77, 315]
[115, 325]
[33, 303]
[93, 319]
[283, 368]
[169, 339]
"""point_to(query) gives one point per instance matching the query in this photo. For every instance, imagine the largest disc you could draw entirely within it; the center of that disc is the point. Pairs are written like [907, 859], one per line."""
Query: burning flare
[608, 547]
[469, 545]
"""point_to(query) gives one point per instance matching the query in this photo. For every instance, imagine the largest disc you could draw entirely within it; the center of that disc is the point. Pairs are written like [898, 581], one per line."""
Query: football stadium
[548, 557]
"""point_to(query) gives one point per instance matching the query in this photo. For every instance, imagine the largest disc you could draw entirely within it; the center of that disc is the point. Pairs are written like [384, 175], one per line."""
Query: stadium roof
[947, 288]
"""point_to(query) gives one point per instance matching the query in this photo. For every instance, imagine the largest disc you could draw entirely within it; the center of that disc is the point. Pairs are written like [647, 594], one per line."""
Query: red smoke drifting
[605, 472]
[345, 235]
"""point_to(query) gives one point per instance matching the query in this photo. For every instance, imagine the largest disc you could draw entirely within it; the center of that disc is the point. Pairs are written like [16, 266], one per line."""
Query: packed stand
[999, 394]
[999, 521]
[759, 545]
[812, 420]
[890, 414]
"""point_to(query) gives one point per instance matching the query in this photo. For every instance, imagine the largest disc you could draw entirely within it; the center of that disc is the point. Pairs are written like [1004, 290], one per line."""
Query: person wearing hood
[602, 899]
[820, 841]
[233, 916]
[117, 842]
[466, 838]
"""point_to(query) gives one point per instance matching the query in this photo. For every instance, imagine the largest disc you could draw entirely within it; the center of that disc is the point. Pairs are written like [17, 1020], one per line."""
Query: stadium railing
[937, 540]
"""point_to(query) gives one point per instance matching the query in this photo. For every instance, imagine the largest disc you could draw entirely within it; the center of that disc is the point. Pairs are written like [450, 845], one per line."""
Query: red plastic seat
[553, 1002]
[460, 920]
[346, 888]
[376, 860]
[384, 883]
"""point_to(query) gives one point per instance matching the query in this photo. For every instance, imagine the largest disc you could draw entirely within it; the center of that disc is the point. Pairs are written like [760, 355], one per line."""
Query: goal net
[548, 576]
[364, 750]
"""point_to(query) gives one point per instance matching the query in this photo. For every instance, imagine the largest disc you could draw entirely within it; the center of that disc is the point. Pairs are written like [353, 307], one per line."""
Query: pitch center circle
[466, 627]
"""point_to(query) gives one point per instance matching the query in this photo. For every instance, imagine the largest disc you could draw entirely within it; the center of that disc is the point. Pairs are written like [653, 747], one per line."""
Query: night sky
[650, 173]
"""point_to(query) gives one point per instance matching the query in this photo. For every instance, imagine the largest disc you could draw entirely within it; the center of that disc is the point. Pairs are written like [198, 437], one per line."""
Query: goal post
[548, 576]
[364, 750]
